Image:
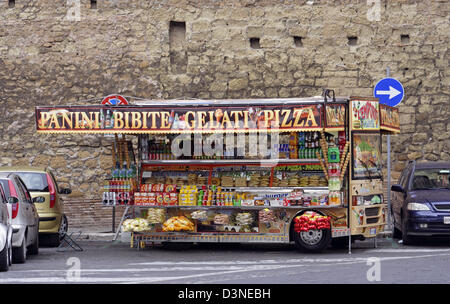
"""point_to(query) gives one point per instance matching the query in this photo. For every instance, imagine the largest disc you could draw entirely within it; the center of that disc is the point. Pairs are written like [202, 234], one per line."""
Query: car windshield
[35, 182]
[425, 179]
[4, 183]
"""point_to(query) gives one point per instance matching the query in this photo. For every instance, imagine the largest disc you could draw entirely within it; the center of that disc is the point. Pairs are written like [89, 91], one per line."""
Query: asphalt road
[115, 262]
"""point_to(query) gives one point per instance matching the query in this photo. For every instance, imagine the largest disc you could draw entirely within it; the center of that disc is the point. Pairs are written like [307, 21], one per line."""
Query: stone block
[238, 84]
[415, 155]
[420, 137]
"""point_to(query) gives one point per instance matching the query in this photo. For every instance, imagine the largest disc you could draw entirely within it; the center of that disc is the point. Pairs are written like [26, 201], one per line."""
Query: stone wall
[58, 52]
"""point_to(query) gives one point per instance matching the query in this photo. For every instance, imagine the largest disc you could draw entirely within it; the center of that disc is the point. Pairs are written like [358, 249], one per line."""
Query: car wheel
[19, 255]
[10, 254]
[4, 258]
[63, 227]
[34, 248]
[407, 239]
[396, 233]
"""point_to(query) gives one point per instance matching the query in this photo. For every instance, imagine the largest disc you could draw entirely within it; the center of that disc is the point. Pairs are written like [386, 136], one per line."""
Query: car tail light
[15, 207]
[51, 189]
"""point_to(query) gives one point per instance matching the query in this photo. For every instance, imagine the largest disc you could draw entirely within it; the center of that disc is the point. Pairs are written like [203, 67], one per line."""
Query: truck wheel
[313, 240]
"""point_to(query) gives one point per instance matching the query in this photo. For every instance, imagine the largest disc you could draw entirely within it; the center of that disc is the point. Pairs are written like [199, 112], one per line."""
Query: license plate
[373, 231]
[446, 219]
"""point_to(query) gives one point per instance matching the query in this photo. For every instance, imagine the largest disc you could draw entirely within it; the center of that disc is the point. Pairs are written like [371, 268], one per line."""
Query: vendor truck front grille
[372, 220]
[371, 211]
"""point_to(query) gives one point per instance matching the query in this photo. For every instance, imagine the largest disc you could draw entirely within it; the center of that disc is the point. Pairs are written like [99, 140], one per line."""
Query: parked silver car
[25, 219]
[6, 232]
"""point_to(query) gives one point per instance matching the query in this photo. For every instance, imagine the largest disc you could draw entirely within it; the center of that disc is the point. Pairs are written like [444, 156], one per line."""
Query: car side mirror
[38, 199]
[65, 191]
[397, 188]
[13, 200]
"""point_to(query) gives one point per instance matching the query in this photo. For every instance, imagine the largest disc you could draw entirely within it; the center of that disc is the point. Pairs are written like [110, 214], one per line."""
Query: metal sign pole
[388, 171]
[114, 219]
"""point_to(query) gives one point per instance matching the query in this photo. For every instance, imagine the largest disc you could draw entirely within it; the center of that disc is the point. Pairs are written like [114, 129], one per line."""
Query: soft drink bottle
[105, 198]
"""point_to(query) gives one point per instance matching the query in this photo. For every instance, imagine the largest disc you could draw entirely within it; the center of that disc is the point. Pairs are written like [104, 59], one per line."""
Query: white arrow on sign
[392, 92]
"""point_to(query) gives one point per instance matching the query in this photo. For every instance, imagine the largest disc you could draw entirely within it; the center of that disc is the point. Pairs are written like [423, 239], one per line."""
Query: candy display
[178, 223]
[311, 220]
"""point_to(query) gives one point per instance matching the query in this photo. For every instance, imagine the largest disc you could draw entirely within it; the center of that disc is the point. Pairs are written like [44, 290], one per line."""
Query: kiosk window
[366, 156]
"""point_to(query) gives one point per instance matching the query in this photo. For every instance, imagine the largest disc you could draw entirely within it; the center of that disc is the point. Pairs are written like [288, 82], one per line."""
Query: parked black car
[421, 201]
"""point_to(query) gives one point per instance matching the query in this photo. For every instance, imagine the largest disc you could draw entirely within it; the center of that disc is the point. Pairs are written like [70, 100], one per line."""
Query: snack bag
[151, 199]
[159, 199]
[173, 198]
[170, 188]
[166, 198]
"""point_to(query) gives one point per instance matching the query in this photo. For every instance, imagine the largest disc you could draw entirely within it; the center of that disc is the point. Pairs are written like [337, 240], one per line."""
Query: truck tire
[313, 240]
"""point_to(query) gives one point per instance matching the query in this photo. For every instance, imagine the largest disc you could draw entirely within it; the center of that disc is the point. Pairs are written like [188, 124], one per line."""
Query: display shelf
[269, 189]
[146, 237]
[274, 189]
[218, 162]
[241, 207]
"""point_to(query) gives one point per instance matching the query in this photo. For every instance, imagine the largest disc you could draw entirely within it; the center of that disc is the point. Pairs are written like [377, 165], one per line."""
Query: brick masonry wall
[89, 215]
[56, 52]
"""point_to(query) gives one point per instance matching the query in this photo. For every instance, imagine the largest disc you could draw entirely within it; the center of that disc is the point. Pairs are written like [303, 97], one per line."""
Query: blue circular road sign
[389, 91]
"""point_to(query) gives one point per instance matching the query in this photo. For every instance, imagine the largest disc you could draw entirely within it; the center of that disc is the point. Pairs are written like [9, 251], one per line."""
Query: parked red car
[24, 216]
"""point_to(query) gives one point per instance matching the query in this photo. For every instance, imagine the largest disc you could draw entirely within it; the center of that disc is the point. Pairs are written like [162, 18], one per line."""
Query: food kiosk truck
[300, 170]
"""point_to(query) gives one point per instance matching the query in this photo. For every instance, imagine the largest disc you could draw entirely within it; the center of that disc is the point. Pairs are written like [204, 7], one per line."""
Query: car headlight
[417, 207]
